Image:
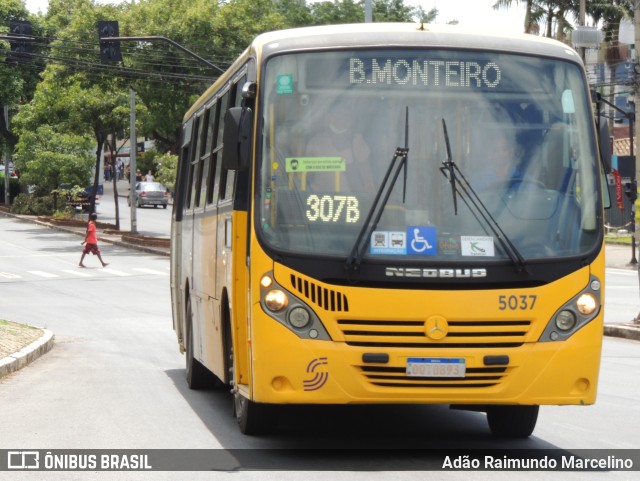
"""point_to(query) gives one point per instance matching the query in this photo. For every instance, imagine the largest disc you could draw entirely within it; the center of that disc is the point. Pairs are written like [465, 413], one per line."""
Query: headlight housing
[290, 311]
[575, 313]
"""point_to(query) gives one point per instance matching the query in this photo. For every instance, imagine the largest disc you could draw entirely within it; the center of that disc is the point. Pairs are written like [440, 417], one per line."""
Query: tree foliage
[77, 98]
[54, 158]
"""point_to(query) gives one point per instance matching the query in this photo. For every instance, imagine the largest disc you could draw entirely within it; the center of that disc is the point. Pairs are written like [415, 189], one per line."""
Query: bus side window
[225, 190]
[199, 159]
[192, 155]
[205, 157]
[215, 189]
[183, 164]
[211, 147]
[241, 178]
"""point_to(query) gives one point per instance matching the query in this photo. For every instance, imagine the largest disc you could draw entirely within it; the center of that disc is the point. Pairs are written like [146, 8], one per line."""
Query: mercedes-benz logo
[436, 327]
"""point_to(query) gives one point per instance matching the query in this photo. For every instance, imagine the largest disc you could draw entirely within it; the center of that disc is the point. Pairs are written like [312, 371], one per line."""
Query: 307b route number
[517, 303]
[333, 208]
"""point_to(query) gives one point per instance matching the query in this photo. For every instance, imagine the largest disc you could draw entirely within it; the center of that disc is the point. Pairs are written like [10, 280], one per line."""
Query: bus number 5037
[517, 303]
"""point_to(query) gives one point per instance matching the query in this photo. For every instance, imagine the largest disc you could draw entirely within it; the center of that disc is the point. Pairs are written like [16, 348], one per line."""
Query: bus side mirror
[604, 142]
[238, 122]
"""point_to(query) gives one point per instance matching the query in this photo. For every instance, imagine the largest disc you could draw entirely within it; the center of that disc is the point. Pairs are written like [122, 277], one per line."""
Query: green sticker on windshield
[315, 164]
[284, 84]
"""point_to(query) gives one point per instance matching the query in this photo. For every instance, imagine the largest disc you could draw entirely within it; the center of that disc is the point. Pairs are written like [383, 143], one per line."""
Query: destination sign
[424, 72]
[437, 70]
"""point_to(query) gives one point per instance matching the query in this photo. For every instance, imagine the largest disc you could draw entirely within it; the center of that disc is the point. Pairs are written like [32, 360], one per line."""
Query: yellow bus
[392, 213]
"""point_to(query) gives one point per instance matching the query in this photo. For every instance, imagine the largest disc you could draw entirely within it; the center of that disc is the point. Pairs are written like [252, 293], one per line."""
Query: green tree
[233, 32]
[337, 12]
[295, 12]
[420, 15]
[167, 86]
[54, 158]
[392, 11]
[71, 98]
[166, 169]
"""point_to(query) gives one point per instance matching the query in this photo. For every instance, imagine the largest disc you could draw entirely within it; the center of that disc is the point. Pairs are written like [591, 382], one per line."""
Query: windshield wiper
[380, 200]
[460, 186]
[450, 166]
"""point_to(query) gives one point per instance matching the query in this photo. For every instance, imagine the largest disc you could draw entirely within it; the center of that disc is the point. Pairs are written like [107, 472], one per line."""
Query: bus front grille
[412, 334]
[478, 377]
[327, 299]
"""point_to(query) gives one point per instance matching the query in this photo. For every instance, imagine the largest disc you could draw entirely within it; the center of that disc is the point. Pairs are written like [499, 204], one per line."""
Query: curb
[27, 354]
[626, 332]
[149, 249]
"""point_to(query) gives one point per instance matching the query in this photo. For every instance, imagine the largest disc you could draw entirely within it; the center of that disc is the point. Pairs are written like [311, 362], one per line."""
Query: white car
[150, 193]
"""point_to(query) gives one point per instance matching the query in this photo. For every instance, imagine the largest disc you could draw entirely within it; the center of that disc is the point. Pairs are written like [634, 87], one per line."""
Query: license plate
[435, 367]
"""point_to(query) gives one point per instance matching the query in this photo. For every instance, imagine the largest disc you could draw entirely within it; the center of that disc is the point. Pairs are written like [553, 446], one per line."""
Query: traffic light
[631, 190]
[109, 51]
[20, 48]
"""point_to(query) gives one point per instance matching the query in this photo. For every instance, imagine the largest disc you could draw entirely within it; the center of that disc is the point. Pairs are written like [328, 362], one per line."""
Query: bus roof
[390, 35]
[410, 34]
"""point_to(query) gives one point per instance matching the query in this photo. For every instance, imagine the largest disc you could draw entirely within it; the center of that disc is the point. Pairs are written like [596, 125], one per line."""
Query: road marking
[150, 271]
[78, 272]
[624, 272]
[43, 274]
[116, 272]
[9, 275]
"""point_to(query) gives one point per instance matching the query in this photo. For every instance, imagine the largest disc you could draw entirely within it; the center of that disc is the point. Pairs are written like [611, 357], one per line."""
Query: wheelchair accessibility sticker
[421, 240]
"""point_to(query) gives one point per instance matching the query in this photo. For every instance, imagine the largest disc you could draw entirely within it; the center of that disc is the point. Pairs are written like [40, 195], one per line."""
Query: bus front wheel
[512, 421]
[197, 374]
[252, 417]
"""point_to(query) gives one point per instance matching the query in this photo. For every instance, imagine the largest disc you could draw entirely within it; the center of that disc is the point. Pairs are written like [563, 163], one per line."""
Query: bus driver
[337, 139]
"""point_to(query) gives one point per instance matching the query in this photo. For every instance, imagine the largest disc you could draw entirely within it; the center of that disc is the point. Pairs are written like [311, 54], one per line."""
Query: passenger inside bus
[501, 155]
[337, 137]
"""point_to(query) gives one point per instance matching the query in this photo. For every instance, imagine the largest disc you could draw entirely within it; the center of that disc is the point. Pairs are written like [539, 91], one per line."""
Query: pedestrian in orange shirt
[91, 241]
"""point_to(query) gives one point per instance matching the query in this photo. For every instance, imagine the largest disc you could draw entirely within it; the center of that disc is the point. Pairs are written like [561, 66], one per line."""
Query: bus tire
[253, 418]
[197, 375]
[512, 421]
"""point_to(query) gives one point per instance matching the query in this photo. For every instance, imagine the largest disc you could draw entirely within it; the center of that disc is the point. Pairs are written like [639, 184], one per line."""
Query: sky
[469, 13]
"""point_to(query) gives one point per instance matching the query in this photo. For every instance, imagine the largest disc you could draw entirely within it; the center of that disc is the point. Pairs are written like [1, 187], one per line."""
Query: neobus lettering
[424, 72]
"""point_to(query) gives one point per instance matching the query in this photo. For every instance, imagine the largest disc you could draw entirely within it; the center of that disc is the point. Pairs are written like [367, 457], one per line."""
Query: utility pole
[368, 13]
[636, 28]
[7, 159]
[581, 21]
[133, 147]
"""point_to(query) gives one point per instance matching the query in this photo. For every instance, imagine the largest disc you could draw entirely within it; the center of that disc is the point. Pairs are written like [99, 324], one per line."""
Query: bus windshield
[520, 136]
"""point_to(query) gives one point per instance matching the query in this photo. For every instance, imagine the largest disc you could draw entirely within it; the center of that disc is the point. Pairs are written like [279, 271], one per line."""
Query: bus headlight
[565, 320]
[285, 307]
[276, 300]
[299, 317]
[575, 313]
[587, 304]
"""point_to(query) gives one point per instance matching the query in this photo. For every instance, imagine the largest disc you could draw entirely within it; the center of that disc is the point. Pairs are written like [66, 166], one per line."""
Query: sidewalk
[617, 256]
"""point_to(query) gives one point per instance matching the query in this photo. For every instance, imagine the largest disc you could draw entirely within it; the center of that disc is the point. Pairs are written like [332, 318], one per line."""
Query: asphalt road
[115, 379]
